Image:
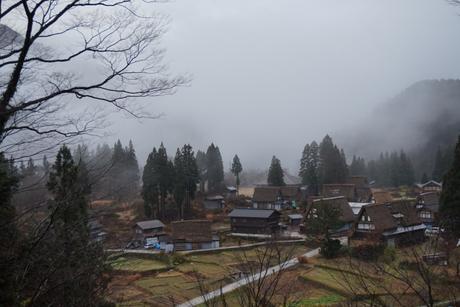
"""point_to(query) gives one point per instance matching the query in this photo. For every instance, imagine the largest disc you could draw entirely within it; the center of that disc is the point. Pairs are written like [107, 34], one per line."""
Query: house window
[425, 215]
[366, 226]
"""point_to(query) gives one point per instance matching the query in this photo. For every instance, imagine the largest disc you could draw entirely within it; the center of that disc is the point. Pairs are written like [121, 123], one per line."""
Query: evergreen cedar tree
[149, 190]
[450, 196]
[309, 167]
[322, 164]
[66, 246]
[162, 177]
[442, 162]
[326, 163]
[322, 220]
[357, 166]
[214, 169]
[275, 173]
[333, 166]
[124, 171]
[8, 234]
[237, 168]
[202, 168]
[424, 178]
[186, 179]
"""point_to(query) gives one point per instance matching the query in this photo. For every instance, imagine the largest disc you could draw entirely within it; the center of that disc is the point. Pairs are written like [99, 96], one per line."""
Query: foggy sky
[270, 76]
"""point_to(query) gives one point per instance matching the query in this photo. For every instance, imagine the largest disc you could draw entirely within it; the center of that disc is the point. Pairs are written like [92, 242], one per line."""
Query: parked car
[133, 244]
[433, 231]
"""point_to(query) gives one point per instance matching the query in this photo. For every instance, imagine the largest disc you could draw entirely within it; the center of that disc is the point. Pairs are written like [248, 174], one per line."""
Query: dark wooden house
[254, 221]
[381, 197]
[193, 234]
[429, 186]
[362, 188]
[149, 229]
[427, 207]
[96, 231]
[347, 190]
[395, 224]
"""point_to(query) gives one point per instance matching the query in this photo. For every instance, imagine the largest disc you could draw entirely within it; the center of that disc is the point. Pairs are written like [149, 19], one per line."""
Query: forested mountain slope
[422, 119]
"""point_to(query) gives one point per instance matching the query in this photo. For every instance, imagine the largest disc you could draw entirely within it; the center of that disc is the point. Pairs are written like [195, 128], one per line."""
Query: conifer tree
[357, 166]
[46, 165]
[164, 174]
[333, 167]
[321, 221]
[78, 264]
[424, 178]
[342, 166]
[438, 166]
[215, 169]
[237, 168]
[124, 171]
[150, 191]
[186, 179]
[8, 234]
[309, 167]
[450, 196]
[202, 168]
[30, 169]
[275, 173]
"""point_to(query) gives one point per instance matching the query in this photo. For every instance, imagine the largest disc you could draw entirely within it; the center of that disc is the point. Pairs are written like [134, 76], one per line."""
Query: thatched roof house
[395, 223]
[382, 197]
[277, 197]
[343, 189]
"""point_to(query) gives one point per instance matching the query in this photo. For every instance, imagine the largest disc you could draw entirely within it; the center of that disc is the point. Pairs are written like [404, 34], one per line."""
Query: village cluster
[367, 214]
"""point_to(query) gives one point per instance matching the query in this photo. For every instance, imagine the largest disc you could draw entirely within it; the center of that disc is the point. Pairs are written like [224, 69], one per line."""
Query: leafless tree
[62, 62]
[258, 273]
[408, 278]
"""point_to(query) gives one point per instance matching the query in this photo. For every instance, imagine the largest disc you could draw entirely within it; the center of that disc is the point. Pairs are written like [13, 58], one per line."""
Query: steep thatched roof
[339, 202]
[344, 189]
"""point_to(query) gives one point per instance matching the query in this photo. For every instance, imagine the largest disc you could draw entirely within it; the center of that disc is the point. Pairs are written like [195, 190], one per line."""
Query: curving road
[235, 285]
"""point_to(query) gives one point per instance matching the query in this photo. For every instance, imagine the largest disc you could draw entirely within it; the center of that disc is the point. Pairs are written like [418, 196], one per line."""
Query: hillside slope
[422, 118]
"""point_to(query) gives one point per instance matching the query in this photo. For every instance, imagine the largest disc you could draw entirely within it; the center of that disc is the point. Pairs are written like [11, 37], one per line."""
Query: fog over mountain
[269, 76]
[422, 117]
[261, 87]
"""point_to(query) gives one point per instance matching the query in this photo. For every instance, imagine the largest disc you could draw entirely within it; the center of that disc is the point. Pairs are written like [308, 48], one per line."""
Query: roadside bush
[389, 255]
[408, 265]
[330, 248]
[177, 259]
[367, 252]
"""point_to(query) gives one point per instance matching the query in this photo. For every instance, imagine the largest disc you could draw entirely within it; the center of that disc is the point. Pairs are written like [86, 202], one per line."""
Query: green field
[136, 264]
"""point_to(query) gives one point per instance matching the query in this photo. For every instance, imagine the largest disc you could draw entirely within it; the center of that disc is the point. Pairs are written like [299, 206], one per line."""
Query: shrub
[177, 259]
[408, 265]
[367, 252]
[330, 248]
[389, 255]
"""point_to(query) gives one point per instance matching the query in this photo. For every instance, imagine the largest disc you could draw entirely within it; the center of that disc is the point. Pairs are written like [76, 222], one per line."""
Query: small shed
[96, 232]
[295, 219]
[215, 202]
[232, 192]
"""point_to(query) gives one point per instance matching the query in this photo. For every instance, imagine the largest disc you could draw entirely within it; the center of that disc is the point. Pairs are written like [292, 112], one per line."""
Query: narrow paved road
[198, 251]
[233, 286]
